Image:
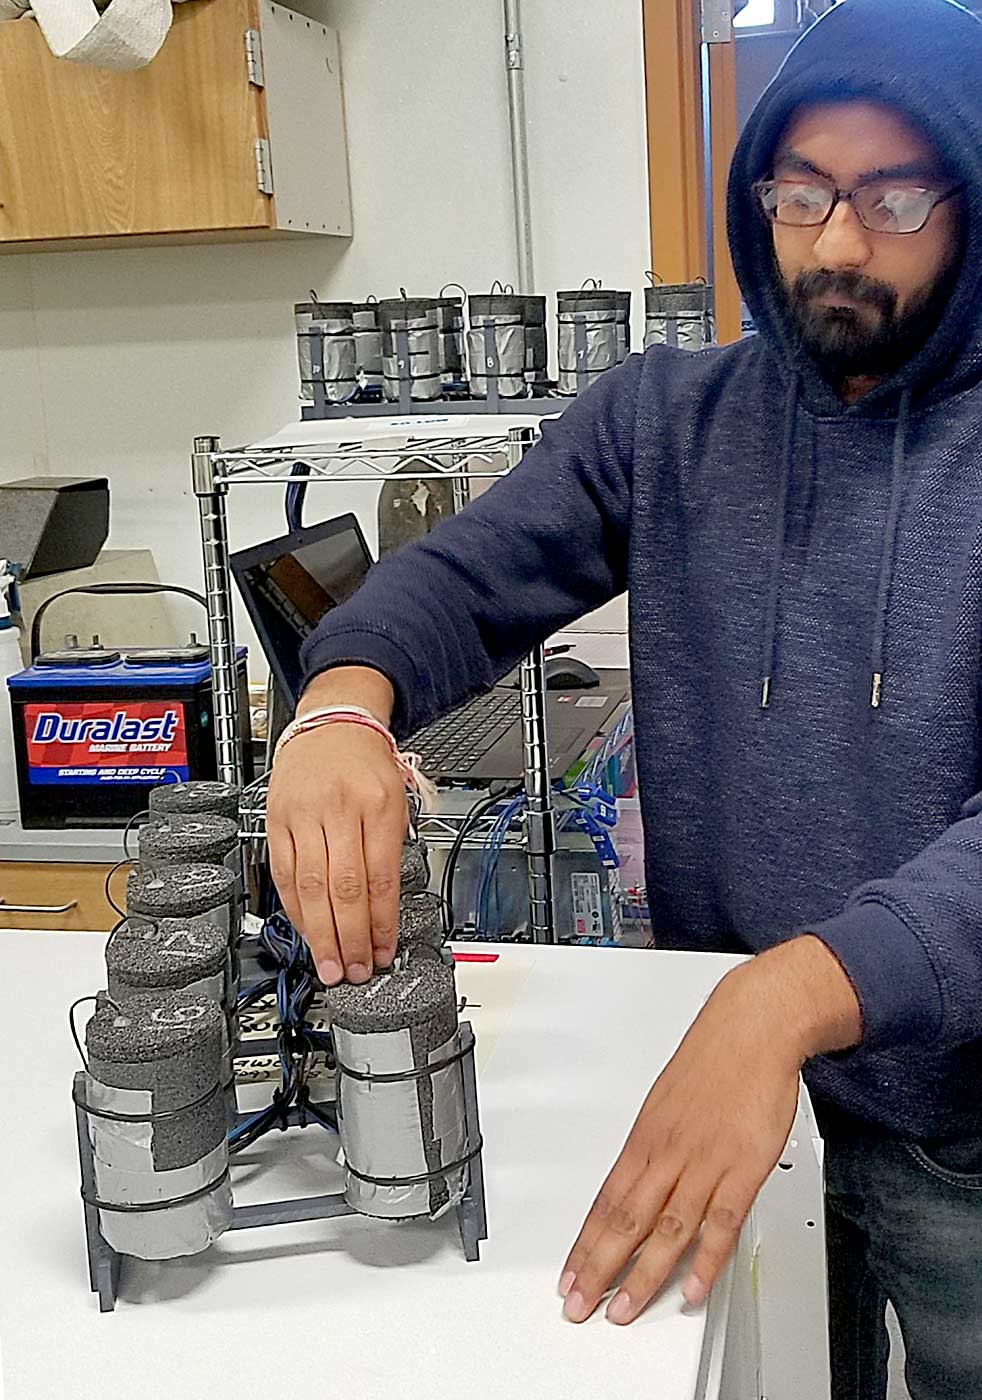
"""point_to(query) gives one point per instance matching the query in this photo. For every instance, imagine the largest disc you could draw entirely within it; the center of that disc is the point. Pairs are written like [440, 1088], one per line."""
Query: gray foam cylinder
[189, 955]
[420, 924]
[159, 1053]
[208, 839]
[400, 1021]
[174, 954]
[415, 869]
[180, 891]
[195, 799]
[204, 840]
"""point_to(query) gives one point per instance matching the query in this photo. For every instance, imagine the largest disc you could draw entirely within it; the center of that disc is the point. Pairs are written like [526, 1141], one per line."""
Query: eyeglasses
[881, 206]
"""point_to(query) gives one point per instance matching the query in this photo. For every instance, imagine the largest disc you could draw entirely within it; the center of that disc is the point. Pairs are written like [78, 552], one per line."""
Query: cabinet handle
[6, 908]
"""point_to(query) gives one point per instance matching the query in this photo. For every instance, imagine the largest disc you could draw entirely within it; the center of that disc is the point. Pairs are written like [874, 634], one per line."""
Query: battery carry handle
[104, 588]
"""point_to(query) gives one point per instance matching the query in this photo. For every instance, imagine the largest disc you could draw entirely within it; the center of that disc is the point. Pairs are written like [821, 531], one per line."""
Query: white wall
[112, 360]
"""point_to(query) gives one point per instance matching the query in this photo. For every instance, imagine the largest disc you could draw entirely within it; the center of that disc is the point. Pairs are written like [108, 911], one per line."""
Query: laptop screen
[289, 583]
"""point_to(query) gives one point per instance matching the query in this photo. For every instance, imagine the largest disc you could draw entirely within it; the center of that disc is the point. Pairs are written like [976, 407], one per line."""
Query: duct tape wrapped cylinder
[157, 1124]
[680, 315]
[588, 337]
[401, 1112]
[496, 345]
[410, 347]
[326, 349]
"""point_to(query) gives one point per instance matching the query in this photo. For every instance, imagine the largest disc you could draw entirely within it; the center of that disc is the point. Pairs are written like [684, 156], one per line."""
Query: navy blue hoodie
[768, 532]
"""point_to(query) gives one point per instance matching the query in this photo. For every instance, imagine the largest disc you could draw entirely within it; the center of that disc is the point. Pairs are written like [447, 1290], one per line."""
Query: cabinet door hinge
[254, 58]
[717, 20]
[264, 166]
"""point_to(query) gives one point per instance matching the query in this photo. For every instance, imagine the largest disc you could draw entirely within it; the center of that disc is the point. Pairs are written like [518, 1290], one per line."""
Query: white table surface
[569, 1040]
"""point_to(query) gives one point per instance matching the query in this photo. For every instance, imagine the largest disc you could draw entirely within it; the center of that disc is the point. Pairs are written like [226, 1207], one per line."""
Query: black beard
[875, 342]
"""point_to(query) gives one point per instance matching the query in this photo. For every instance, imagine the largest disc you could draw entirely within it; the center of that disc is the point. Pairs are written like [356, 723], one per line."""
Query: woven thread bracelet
[407, 763]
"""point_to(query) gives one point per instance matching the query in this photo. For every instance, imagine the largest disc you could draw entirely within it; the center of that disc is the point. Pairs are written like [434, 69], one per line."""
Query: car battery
[94, 731]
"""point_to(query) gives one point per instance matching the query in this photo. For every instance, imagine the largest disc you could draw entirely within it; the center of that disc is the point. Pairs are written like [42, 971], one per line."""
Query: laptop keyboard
[460, 740]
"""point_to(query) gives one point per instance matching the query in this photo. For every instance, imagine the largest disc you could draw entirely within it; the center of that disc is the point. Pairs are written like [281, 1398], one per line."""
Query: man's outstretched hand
[711, 1130]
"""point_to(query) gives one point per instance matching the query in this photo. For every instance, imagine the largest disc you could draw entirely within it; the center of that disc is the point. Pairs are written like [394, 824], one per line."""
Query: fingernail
[694, 1291]
[575, 1308]
[619, 1308]
[330, 973]
[385, 957]
[358, 972]
[566, 1283]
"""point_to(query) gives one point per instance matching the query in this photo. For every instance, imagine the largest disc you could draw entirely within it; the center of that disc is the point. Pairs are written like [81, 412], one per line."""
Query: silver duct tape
[124, 1175]
[368, 351]
[382, 1129]
[601, 347]
[303, 318]
[509, 340]
[425, 379]
[340, 364]
[623, 340]
[685, 332]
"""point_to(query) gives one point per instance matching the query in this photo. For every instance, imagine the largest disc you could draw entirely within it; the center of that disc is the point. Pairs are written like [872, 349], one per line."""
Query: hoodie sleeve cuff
[367, 649]
[890, 970]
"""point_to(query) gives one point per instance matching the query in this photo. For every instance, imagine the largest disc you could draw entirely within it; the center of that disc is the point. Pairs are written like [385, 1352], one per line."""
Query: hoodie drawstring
[769, 650]
[888, 549]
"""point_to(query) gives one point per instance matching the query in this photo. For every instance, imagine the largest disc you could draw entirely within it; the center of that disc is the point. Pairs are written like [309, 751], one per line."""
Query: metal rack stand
[461, 458]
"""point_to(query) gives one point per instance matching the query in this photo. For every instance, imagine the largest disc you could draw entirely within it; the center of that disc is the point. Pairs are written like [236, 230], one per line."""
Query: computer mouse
[566, 673]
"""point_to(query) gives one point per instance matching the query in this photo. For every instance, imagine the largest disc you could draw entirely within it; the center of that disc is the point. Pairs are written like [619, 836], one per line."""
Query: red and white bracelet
[407, 763]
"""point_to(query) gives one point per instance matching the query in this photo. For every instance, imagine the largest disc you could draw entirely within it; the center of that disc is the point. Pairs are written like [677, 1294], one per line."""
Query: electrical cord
[449, 870]
[294, 985]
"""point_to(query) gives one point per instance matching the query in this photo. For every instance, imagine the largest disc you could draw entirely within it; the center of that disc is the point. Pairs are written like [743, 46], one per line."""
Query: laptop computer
[289, 583]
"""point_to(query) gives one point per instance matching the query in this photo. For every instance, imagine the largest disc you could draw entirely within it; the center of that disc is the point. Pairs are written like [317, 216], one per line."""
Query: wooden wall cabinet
[234, 131]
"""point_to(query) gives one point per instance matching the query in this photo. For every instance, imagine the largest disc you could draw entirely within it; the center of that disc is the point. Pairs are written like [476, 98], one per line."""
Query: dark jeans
[904, 1223]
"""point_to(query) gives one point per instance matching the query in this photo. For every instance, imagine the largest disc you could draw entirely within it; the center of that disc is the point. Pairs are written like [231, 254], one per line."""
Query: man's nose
[843, 242]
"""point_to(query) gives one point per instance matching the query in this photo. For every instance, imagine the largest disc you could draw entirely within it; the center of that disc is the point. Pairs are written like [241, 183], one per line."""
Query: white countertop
[568, 1040]
[90, 845]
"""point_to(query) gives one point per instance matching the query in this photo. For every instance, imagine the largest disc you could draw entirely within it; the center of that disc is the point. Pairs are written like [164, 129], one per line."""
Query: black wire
[129, 827]
[449, 870]
[71, 1026]
[128, 860]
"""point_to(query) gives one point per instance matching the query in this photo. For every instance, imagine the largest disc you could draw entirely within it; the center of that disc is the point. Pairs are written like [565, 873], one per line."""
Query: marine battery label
[89, 742]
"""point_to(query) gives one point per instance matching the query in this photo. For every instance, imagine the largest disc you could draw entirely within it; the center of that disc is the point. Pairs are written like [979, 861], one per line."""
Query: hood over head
[924, 59]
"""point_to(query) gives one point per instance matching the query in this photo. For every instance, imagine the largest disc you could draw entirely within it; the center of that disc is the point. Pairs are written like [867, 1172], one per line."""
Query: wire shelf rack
[432, 459]
[437, 829]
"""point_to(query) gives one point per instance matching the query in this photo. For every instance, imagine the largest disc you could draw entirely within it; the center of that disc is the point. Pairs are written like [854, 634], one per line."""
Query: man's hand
[711, 1130]
[336, 816]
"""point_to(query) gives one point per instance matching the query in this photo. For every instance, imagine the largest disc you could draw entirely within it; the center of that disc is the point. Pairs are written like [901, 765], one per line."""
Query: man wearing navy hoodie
[798, 519]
